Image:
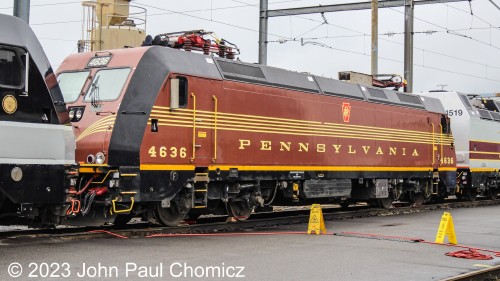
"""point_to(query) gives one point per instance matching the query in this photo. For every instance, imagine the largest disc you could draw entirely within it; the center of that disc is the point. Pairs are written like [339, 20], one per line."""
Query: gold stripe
[447, 169]
[480, 159]
[482, 170]
[267, 118]
[251, 119]
[128, 175]
[303, 134]
[319, 168]
[97, 126]
[484, 152]
[286, 128]
[485, 141]
[161, 167]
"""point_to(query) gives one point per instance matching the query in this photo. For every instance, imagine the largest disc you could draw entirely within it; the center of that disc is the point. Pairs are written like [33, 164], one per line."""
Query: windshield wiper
[94, 93]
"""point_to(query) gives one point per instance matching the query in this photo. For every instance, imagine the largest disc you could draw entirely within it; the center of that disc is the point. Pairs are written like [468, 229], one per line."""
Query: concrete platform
[276, 257]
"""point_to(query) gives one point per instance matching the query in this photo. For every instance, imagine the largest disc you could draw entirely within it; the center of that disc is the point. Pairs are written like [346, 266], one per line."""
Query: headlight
[90, 159]
[71, 114]
[79, 114]
[99, 158]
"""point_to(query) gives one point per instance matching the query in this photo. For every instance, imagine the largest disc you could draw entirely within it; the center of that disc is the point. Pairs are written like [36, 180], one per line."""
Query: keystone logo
[346, 111]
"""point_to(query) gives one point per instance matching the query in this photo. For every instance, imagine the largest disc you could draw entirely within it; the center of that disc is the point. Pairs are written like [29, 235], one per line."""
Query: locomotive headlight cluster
[75, 113]
[100, 158]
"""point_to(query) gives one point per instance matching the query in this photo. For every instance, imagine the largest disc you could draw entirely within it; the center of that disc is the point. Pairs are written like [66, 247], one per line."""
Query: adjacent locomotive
[164, 134]
[37, 144]
[475, 123]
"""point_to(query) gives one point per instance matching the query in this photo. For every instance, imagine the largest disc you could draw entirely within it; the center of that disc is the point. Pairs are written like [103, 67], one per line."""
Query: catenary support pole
[408, 64]
[263, 32]
[22, 9]
[374, 37]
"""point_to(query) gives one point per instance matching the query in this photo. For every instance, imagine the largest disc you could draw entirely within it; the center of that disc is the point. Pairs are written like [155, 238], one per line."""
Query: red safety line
[108, 232]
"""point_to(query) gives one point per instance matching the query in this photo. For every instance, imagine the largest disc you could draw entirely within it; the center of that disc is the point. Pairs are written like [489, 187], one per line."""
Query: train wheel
[417, 198]
[169, 216]
[385, 203]
[344, 204]
[492, 193]
[240, 210]
[471, 195]
[2, 200]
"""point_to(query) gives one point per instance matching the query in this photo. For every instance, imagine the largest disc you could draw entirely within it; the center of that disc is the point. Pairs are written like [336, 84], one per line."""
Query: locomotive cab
[36, 147]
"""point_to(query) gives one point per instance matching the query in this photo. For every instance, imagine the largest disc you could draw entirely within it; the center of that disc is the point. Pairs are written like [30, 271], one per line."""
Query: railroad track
[490, 274]
[218, 224]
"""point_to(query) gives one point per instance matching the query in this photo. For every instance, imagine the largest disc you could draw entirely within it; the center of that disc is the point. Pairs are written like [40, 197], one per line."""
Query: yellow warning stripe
[161, 167]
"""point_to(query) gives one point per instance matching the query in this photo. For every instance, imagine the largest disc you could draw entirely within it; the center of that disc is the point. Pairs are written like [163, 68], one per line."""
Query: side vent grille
[236, 69]
[495, 115]
[485, 114]
[379, 94]
[409, 99]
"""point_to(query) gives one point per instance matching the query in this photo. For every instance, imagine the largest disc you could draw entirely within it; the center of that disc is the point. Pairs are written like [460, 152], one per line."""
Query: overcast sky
[452, 47]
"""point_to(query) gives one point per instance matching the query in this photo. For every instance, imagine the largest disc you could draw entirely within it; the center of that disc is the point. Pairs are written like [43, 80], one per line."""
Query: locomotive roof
[167, 60]
[15, 32]
[225, 69]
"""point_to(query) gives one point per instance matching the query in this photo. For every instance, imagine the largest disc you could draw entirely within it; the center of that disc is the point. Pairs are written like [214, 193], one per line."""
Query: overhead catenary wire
[450, 31]
[399, 61]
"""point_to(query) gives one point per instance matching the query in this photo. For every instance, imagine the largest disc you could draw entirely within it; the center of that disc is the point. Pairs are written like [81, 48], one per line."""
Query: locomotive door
[204, 114]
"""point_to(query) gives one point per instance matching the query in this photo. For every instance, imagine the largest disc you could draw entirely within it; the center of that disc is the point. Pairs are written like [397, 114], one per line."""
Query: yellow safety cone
[316, 221]
[446, 228]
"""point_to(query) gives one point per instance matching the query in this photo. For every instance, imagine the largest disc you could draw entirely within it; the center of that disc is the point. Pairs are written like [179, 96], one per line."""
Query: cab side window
[10, 69]
[445, 125]
[183, 91]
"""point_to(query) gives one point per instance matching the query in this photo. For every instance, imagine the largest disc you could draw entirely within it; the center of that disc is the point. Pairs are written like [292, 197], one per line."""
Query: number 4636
[172, 152]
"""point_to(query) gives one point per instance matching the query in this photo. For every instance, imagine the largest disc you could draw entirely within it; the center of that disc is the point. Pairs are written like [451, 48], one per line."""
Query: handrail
[215, 129]
[441, 141]
[114, 210]
[432, 124]
[194, 126]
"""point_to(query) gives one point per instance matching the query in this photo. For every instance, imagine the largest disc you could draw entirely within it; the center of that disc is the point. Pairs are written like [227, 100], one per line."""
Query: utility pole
[22, 10]
[265, 14]
[374, 54]
[263, 32]
[409, 9]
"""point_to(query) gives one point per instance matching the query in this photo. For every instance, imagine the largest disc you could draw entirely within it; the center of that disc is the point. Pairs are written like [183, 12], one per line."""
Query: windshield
[71, 84]
[107, 85]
